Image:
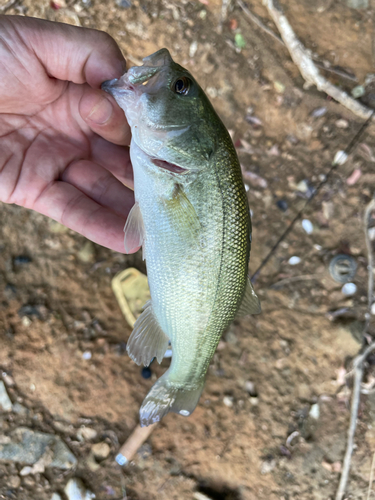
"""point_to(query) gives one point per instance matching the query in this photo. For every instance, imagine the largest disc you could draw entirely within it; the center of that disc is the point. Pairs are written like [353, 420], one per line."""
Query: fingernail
[101, 112]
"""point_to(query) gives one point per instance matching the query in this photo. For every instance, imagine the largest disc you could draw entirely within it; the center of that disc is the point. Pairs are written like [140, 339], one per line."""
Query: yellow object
[131, 290]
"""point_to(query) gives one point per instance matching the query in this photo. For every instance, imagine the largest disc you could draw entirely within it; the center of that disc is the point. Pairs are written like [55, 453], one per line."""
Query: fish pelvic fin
[250, 302]
[134, 229]
[147, 340]
[165, 397]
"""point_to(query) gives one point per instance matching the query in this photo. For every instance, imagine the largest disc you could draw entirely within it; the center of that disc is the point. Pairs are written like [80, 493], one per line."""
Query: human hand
[61, 138]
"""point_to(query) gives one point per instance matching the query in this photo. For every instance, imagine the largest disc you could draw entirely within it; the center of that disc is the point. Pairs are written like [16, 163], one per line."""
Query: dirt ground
[274, 374]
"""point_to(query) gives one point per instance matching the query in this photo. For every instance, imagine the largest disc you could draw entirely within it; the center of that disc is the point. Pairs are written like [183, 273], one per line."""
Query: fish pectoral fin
[250, 303]
[165, 397]
[147, 340]
[182, 215]
[134, 229]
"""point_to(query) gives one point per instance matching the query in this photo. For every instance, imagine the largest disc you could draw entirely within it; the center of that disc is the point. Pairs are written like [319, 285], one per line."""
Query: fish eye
[182, 85]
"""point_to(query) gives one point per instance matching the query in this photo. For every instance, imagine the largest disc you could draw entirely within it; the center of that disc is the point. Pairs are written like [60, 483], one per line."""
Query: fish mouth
[170, 167]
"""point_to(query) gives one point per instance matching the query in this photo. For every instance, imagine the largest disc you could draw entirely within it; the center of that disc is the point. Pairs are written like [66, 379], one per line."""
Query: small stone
[294, 260]
[302, 186]
[267, 466]
[307, 226]
[56, 496]
[318, 112]
[5, 402]
[358, 91]
[282, 205]
[76, 490]
[373, 309]
[86, 434]
[26, 471]
[279, 87]
[87, 252]
[101, 450]
[371, 233]
[228, 401]
[304, 392]
[315, 411]
[87, 355]
[349, 289]
[250, 388]
[123, 4]
[14, 482]
[341, 123]
[193, 48]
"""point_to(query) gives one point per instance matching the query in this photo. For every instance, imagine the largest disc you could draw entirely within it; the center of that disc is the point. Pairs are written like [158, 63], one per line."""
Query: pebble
[86, 434]
[354, 177]
[307, 226]
[5, 402]
[358, 91]
[318, 112]
[228, 401]
[250, 388]
[293, 261]
[349, 289]
[373, 309]
[76, 490]
[101, 450]
[123, 4]
[56, 496]
[282, 205]
[302, 186]
[314, 411]
[371, 233]
[26, 447]
[341, 123]
[14, 482]
[87, 252]
[193, 48]
[267, 466]
[87, 355]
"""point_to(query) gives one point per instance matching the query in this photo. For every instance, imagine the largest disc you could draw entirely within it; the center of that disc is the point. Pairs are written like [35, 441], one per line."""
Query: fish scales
[192, 218]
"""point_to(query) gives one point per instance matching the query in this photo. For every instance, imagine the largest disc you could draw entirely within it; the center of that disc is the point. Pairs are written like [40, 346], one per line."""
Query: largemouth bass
[192, 219]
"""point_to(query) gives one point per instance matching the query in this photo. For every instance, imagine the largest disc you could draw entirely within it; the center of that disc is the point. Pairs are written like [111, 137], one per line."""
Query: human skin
[63, 141]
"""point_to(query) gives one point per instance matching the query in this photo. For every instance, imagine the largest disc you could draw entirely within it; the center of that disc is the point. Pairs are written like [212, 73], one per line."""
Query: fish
[191, 217]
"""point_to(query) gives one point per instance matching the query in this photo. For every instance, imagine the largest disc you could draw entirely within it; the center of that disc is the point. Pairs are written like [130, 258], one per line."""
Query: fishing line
[336, 163]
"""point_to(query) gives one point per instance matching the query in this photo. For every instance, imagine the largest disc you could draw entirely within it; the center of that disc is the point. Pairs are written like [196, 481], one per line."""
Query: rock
[228, 401]
[267, 466]
[14, 482]
[304, 392]
[76, 490]
[86, 434]
[314, 411]
[56, 496]
[27, 447]
[5, 402]
[87, 252]
[101, 451]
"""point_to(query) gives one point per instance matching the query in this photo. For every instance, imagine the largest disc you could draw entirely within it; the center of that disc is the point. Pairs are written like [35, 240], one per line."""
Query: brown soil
[292, 352]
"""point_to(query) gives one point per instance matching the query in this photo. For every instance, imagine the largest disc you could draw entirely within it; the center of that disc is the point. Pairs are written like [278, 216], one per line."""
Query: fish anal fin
[182, 215]
[250, 302]
[147, 340]
[134, 229]
[165, 397]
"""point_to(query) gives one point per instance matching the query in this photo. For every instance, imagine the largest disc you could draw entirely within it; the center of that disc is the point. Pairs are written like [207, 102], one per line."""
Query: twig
[306, 66]
[358, 362]
[371, 477]
[271, 33]
[133, 443]
[8, 5]
[259, 23]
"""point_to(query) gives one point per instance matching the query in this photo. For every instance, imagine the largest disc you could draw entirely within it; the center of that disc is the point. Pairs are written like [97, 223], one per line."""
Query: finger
[104, 116]
[100, 185]
[72, 208]
[115, 159]
[71, 53]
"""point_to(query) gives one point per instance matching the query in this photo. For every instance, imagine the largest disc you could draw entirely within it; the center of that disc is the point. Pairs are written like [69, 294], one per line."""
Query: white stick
[309, 71]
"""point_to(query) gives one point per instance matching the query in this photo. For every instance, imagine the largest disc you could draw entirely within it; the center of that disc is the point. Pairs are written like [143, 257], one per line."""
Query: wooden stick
[306, 66]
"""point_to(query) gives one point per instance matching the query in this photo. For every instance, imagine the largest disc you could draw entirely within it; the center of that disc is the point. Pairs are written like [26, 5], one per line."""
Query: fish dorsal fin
[147, 340]
[134, 229]
[250, 303]
[182, 215]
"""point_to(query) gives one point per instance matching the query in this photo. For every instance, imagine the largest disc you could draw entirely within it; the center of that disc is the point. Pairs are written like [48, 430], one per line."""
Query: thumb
[102, 114]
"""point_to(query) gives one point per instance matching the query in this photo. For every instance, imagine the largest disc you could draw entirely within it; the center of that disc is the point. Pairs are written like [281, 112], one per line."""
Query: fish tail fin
[165, 396]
